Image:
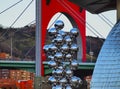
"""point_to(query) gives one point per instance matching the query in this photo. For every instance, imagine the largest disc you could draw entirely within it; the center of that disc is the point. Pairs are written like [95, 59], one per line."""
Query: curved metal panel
[106, 74]
[96, 6]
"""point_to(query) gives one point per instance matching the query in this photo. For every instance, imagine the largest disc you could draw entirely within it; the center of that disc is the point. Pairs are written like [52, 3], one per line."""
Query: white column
[38, 71]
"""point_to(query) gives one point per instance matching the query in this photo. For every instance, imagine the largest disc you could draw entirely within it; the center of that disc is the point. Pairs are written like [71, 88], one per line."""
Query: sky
[8, 17]
[100, 25]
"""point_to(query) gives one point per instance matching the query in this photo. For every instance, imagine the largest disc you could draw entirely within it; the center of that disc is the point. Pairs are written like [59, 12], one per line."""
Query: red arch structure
[72, 11]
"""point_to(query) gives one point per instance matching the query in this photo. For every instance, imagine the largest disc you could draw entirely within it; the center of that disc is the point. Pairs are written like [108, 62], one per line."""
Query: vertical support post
[11, 48]
[38, 63]
[118, 9]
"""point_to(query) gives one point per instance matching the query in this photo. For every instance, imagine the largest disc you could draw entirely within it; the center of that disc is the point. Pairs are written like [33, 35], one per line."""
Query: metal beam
[30, 65]
[118, 9]
[38, 63]
[96, 6]
[22, 65]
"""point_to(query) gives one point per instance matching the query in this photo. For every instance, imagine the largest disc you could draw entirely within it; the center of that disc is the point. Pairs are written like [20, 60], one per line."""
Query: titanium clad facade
[106, 74]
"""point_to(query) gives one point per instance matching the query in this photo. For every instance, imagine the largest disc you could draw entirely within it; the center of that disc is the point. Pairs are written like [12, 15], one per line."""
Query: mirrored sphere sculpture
[61, 50]
[75, 81]
[58, 87]
[74, 32]
[52, 32]
[74, 48]
[65, 49]
[62, 33]
[68, 87]
[69, 73]
[74, 64]
[68, 40]
[52, 80]
[46, 48]
[59, 24]
[63, 81]
[50, 57]
[52, 64]
[58, 40]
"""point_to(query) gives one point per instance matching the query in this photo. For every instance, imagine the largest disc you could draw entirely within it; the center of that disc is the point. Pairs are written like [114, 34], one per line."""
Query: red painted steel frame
[64, 6]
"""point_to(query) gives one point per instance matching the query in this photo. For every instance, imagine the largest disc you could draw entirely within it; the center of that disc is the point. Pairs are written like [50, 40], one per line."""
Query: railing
[30, 65]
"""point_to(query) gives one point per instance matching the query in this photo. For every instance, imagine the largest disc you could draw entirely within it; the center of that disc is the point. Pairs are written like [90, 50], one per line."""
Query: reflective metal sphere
[59, 25]
[46, 48]
[62, 33]
[74, 32]
[50, 57]
[74, 64]
[68, 57]
[57, 87]
[52, 79]
[58, 40]
[63, 81]
[61, 67]
[75, 81]
[54, 72]
[59, 72]
[53, 49]
[74, 48]
[52, 32]
[53, 87]
[68, 87]
[68, 40]
[52, 64]
[58, 56]
[69, 73]
[65, 49]
[80, 81]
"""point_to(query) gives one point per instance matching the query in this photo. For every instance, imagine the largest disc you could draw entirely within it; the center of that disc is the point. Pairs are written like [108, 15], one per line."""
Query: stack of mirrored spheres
[61, 54]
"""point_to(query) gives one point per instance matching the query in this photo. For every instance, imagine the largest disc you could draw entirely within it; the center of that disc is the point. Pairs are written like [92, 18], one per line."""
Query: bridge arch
[72, 12]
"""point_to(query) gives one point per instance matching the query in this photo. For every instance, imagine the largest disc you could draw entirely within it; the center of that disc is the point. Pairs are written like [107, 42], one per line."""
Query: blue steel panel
[106, 74]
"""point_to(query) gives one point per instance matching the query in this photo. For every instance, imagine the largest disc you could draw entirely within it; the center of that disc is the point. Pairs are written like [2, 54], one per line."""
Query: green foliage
[23, 40]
